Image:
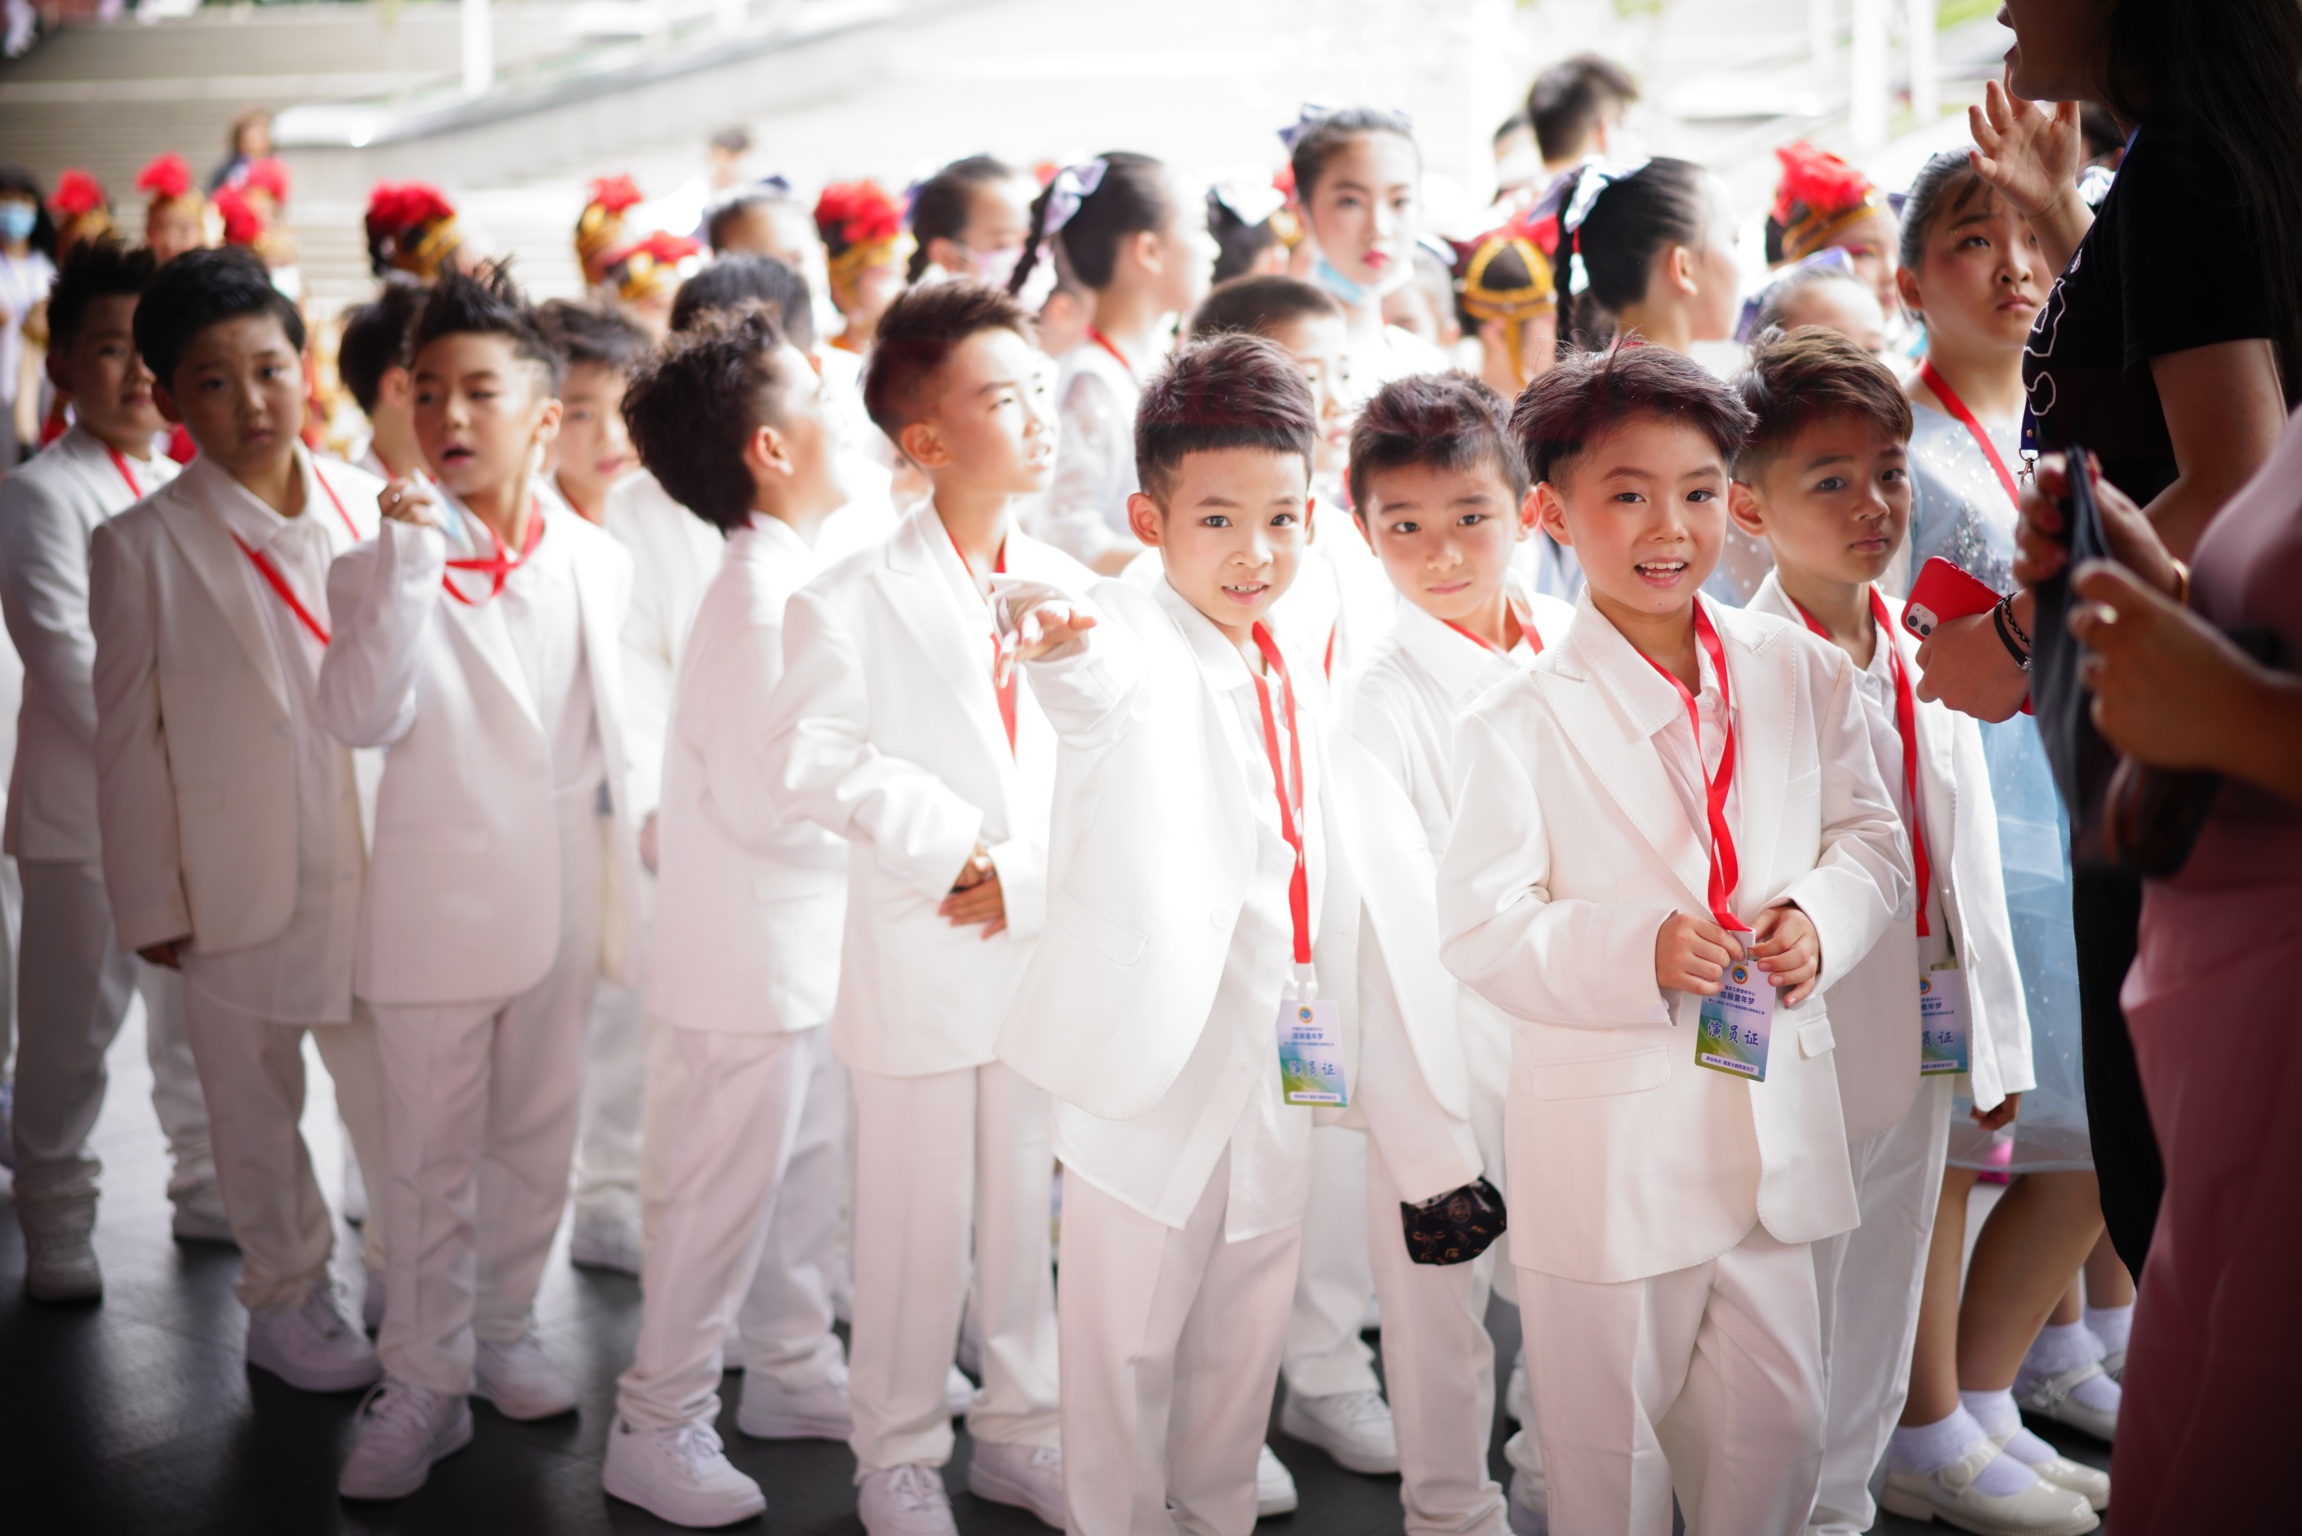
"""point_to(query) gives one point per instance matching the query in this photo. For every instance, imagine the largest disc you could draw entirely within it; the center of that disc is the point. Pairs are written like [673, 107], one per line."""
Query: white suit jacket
[195, 778]
[749, 904]
[1874, 1011]
[1570, 849]
[463, 899]
[1394, 796]
[886, 731]
[1154, 845]
[48, 510]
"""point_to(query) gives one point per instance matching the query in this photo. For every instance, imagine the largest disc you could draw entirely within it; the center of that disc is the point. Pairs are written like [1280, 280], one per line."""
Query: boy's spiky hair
[698, 399]
[486, 303]
[1800, 376]
[1448, 421]
[916, 338]
[1260, 303]
[96, 269]
[1587, 395]
[598, 337]
[375, 338]
[1235, 391]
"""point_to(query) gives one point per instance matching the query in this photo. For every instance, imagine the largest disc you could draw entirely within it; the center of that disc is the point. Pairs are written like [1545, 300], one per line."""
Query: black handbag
[1456, 1227]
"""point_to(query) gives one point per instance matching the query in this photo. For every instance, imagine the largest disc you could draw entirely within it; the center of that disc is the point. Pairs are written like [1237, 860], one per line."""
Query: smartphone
[1943, 592]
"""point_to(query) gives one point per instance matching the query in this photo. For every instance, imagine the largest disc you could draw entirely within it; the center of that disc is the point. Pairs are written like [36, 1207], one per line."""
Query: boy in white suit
[476, 637]
[233, 845]
[895, 727]
[1671, 838]
[75, 977]
[732, 420]
[1441, 492]
[1193, 863]
[1824, 479]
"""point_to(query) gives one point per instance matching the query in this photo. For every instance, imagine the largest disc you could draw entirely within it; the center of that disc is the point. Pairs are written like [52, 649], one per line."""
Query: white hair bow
[1073, 185]
[1311, 114]
[1595, 178]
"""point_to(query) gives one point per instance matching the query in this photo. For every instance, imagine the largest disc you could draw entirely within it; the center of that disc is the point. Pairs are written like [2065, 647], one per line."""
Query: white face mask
[994, 268]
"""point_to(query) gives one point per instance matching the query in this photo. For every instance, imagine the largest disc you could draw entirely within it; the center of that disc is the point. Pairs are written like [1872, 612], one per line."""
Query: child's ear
[1679, 271]
[1145, 519]
[548, 421]
[767, 454]
[165, 399]
[1149, 252]
[923, 445]
[1551, 513]
[1530, 513]
[1745, 507]
[397, 387]
[1906, 284]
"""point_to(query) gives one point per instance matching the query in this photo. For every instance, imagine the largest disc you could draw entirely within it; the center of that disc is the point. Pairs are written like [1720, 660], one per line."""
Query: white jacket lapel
[919, 592]
[1764, 678]
[217, 561]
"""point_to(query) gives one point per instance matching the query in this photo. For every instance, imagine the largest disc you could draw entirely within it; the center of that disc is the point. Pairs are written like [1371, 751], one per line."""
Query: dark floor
[140, 1415]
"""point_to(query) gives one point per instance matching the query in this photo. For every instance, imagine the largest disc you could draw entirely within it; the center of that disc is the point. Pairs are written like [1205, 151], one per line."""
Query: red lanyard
[499, 564]
[1527, 632]
[271, 573]
[1290, 800]
[1965, 418]
[120, 463]
[1005, 690]
[1905, 727]
[1106, 343]
[1725, 871]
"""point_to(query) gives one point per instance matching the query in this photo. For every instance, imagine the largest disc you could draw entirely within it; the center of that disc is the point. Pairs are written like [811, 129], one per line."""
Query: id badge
[1311, 1053]
[1942, 1021]
[1736, 1024]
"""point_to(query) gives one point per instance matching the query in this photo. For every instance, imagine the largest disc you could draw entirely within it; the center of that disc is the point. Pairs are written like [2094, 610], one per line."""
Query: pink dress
[2214, 1002]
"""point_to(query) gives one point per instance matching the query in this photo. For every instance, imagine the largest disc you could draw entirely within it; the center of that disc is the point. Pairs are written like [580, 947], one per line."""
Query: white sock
[2112, 1325]
[1996, 1413]
[1925, 1449]
[2059, 1347]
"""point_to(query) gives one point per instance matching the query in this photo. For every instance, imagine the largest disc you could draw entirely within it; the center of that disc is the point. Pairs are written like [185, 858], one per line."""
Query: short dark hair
[1235, 391]
[486, 303]
[1798, 377]
[916, 338]
[1325, 135]
[1133, 197]
[103, 268]
[375, 338]
[600, 338]
[1444, 420]
[1567, 100]
[203, 288]
[697, 400]
[940, 208]
[1258, 303]
[734, 281]
[1776, 298]
[1587, 395]
[719, 226]
[1942, 185]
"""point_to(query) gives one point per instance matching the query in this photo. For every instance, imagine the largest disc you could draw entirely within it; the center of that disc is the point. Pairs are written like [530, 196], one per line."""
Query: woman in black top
[2171, 347]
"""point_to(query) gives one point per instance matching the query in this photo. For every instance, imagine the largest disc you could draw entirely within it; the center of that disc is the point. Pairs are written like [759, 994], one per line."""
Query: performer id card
[1942, 1021]
[1737, 1023]
[1311, 1053]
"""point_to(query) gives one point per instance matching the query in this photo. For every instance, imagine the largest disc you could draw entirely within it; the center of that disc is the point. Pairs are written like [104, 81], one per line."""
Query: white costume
[229, 815]
[75, 978]
[888, 731]
[1149, 1012]
[749, 910]
[500, 886]
[1673, 1257]
[1897, 1123]
[1435, 1057]
[1086, 511]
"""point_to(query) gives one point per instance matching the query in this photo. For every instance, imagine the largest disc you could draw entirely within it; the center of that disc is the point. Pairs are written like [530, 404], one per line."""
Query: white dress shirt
[1228, 1094]
[546, 629]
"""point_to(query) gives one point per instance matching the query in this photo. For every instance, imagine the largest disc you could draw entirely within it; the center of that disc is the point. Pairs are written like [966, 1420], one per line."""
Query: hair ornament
[1073, 185]
[1251, 199]
[1830, 259]
[1312, 113]
[1592, 181]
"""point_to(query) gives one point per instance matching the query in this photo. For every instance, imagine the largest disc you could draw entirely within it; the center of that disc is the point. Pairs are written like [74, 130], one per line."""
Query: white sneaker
[520, 1379]
[958, 1393]
[1530, 1511]
[1353, 1427]
[61, 1266]
[2090, 1483]
[597, 1244]
[199, 1218]
[1951, 1497]
[681, 1475]
[1274, 1486]
[770, 1412]
[372, 1302]
[404, 1428]
[905, 1501]
[1519, 1394]
[1026, 1476]
[315, 1348]
[2050, 1399]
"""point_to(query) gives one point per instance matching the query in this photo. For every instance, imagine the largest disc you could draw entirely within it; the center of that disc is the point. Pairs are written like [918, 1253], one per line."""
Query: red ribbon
[499, 563]
[120, 463]
[270, 572]
[1290, 800]
[1005, 690]
[1724, 870]
[1527, 632]
[1112, 347]
[1965, 418]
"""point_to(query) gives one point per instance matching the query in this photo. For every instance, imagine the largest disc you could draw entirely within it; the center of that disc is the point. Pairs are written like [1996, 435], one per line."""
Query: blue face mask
[16, 221]
[1358, 295]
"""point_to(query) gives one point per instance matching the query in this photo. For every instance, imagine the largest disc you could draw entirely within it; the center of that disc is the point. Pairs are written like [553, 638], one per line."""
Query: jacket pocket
[1599, 1076]
[1814, 1038]
[1107, 936]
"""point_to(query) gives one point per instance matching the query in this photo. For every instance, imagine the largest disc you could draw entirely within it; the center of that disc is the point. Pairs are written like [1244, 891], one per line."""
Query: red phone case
[1943, 592]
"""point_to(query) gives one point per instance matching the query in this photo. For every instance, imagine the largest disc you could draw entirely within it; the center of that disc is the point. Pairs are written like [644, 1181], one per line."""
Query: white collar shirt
[544, 618]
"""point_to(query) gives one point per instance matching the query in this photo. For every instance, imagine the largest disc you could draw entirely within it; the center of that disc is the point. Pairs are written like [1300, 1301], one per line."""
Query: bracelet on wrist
[1999, 621]
[2006, 606]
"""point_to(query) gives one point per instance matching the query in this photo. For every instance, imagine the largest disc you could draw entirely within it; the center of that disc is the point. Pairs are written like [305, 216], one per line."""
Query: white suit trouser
[1706, 1381]
[787, 1313]
[253, 1074]
[614, 1108]
[479, 1133]
[74, 985]
[730, 1107]
[1439, 1366]
[938, 1158]
[1868, 1282]
[1171, 1344]
[1324, 1353]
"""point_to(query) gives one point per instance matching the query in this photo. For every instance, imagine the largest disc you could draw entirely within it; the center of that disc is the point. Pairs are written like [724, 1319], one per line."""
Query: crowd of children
[892, 700]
